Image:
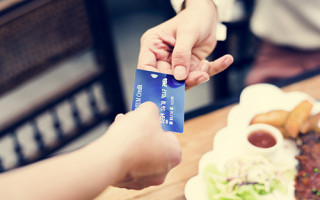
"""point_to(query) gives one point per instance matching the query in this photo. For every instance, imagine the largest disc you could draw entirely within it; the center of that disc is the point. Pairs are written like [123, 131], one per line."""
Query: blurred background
[61, 60]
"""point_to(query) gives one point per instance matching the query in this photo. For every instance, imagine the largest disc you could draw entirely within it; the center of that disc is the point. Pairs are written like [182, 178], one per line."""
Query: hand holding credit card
[166, 92]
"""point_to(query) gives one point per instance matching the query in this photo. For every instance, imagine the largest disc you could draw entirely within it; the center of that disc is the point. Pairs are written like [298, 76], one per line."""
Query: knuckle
[176, 158]
[181, 54]
[146, 35]
[158, 181]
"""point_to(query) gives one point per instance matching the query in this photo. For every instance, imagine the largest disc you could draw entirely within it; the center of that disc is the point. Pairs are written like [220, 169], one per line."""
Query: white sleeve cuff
[224, 9]
[221, 32]
[177, 5]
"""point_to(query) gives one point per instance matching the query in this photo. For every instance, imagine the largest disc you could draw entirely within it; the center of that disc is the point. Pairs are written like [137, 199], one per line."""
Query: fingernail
[228, 61]
[202, 79]
[180, 72]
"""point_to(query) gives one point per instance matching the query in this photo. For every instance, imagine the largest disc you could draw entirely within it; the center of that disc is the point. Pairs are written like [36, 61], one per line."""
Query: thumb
[149, 109]
[181, 55]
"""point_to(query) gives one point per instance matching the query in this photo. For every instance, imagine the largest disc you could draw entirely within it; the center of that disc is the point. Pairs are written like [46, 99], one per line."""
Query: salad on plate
[228, 172]
[250, 178]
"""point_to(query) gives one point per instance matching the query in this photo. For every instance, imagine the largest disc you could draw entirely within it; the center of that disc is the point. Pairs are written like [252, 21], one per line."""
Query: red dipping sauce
[262, 139]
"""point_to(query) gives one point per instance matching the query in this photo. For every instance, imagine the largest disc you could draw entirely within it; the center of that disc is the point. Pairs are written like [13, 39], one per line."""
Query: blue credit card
[166, 92]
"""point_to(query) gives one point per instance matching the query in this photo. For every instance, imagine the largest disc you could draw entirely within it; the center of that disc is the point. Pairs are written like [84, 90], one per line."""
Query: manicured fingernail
[202, 79]
[228, 61]
[180, 72]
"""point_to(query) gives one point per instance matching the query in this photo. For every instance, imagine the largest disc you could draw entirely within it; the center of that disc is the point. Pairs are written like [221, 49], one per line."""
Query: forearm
[134, 153]
[82, 174]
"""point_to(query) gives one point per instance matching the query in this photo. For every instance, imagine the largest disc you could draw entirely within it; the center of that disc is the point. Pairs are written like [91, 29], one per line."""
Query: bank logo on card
[166, 92]
[154, 75]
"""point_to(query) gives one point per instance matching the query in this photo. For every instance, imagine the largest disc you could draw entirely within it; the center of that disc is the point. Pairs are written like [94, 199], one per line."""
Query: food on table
[257, 177]
[247, 178]
[262, 139]
[308, 178]
[299, 124]
[275, 118]
[290, 123]
[297, 117]
[312, 124]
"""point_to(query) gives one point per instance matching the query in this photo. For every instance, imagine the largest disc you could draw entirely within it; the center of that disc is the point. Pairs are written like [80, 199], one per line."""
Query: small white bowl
[270, 134]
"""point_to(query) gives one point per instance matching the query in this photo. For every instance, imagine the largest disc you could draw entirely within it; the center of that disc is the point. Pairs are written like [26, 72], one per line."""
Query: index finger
[147, 59]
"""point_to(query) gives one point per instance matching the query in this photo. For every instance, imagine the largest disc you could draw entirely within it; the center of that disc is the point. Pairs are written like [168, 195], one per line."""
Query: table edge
[235, 99]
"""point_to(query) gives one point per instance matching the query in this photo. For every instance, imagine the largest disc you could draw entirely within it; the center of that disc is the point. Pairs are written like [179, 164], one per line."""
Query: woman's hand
[147, 152]
[180, 45]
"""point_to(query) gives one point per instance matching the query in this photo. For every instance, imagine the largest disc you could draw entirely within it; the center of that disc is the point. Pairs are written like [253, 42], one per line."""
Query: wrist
[109, 158]
[203, 6]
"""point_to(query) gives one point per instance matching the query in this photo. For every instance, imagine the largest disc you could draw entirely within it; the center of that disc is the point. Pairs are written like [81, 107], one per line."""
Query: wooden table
[196, 140]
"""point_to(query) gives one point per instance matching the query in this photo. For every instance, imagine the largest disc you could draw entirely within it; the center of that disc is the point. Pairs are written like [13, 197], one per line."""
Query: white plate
[254, 99]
